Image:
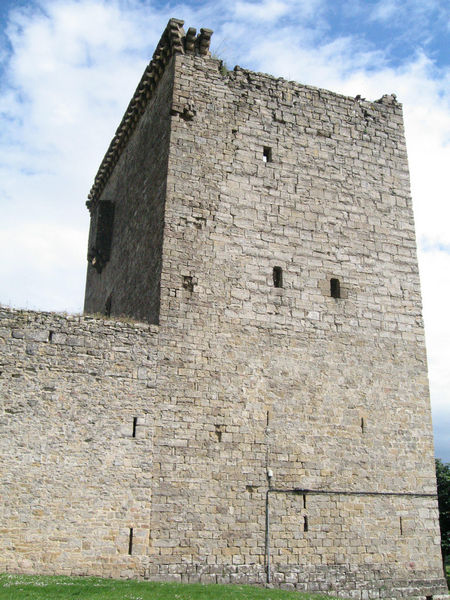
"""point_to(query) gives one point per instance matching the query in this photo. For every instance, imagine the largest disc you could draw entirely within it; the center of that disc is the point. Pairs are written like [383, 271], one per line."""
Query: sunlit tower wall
[267, 227]
[264, 229]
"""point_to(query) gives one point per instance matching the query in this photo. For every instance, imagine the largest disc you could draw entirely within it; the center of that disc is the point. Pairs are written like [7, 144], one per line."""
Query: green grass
[40, 587]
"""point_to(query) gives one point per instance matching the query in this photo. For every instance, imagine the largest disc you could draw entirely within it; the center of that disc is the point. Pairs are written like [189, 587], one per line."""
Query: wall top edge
[387, 100]
[16, 317]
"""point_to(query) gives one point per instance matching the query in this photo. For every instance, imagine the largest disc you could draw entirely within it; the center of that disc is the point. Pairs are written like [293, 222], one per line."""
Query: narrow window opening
[188, 283]
[108, 306]
[134, 426]
[278, 277]
[267, 418]
[304, 500]
[219, 431]
[267, 154]
[428, 597]
[130, 542]
[305, 523]
[401, 525]
[50, 336]
[363, 425]
[335, 288]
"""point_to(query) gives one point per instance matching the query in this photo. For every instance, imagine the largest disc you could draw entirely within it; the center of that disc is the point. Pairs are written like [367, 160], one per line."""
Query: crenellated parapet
[173, 41]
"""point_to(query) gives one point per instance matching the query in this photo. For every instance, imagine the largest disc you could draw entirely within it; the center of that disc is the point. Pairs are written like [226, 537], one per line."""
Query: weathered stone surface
[171, 430]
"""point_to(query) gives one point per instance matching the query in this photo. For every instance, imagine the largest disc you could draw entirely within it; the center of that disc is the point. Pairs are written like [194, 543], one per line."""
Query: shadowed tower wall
[266, 228]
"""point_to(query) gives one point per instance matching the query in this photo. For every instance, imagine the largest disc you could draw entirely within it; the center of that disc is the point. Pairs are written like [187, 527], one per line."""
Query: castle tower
[267, 227]
[267, 416]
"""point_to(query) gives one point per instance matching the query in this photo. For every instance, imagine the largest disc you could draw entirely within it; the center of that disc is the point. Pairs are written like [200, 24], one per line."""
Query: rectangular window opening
[363, 425]
[188, 283]
[134, 426]
[267, 418]
[50, 336]
[267, 154]
[401, 526]
[130, 542]
[304, 500]
[335, 288]
[219, 431]
[305, 523]
[278, 277]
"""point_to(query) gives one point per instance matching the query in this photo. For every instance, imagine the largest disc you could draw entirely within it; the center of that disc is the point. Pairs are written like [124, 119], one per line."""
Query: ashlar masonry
[262, 413]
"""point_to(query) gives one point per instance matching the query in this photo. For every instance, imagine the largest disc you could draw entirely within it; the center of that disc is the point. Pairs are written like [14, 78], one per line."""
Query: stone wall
[190, 474]
[74, 479]
[130, 280]
[328, 393]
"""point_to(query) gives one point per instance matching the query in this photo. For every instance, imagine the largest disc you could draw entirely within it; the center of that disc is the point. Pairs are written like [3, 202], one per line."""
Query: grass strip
[43, 587]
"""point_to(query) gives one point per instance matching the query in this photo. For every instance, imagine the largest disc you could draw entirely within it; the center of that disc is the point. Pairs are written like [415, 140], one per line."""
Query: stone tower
[271, 421]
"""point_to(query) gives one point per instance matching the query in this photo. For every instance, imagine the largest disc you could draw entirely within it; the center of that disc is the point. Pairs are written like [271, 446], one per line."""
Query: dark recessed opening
[50, 336]
[100, 250]
[335, 288]
[278, 277]
[130, 542]
[305, 523]
[134, 426]
[401, 526]
[304, 500]
[267, 154]
[363, 425]
[219, 431]
[188, 283]
[108, 305]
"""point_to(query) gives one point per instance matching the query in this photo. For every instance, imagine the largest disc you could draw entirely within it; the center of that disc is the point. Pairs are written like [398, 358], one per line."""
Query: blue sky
[69, 67]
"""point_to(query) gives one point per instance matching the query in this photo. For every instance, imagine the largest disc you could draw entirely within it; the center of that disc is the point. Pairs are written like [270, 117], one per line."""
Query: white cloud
[384, 10]
[296, 55]
[265, 11]
[41, 266]
[412, 10]
[435, 276]
[270, 10]
[70, 66]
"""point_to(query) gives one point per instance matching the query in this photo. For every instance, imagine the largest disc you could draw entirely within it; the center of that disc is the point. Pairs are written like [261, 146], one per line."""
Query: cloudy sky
[69, 67]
